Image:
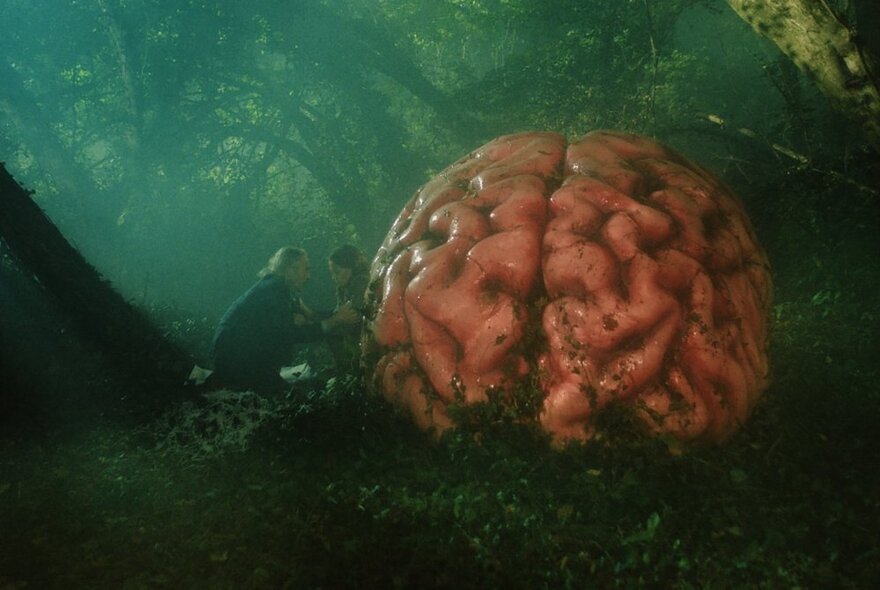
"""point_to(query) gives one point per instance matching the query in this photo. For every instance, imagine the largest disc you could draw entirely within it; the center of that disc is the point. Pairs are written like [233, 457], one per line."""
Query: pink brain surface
[608, 271]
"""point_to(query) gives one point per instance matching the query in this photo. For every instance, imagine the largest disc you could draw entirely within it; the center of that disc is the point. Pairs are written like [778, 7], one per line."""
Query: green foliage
[223, 135]
[193, 334]
[331, 488]
[234, 132]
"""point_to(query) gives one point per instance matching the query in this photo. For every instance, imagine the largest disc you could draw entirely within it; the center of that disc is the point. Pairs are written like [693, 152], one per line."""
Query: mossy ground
[106, 484]
[333, 489]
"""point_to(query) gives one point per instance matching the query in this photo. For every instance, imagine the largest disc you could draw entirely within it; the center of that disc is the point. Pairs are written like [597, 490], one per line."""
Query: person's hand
[348, 314]
[345, 315]
[305, 310]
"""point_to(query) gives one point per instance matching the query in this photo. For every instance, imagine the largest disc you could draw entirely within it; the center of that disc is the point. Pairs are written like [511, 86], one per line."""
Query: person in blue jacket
[256, 335]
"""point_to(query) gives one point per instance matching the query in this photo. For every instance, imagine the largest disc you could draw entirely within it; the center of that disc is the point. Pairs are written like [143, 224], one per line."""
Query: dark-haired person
[350, 272]
[256, 334]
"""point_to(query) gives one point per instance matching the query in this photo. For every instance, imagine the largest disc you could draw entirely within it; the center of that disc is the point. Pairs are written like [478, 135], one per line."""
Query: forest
[174, 146]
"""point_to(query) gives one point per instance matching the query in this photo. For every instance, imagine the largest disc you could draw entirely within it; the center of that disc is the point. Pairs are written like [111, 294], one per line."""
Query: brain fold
[612, 270]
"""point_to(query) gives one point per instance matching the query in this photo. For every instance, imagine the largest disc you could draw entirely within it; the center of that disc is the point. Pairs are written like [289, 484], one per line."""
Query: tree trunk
[824, 48]
[126, 335]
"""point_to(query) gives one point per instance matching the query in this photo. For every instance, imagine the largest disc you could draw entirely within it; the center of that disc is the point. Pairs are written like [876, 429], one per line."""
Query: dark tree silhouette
[123, 331]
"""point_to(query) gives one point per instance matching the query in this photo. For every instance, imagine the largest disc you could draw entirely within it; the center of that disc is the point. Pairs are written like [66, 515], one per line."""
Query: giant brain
[611, 270]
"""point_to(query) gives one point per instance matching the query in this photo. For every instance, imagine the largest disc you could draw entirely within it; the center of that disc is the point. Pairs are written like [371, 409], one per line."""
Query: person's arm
[344, 316]
[357, 290]
[307, 312]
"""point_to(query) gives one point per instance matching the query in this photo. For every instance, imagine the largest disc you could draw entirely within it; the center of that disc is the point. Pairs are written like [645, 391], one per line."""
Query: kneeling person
[257, 332]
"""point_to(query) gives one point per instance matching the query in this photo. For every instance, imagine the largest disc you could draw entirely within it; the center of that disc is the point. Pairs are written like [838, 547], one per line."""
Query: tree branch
[824, 48]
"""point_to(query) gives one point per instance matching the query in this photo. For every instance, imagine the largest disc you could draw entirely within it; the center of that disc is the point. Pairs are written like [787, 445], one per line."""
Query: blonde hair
[283, 258]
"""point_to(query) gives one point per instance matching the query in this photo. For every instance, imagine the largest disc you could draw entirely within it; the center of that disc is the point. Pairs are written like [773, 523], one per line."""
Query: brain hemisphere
[638, 270]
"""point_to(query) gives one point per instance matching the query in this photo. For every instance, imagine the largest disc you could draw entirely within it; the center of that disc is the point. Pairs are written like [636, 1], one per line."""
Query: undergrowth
[329, 487]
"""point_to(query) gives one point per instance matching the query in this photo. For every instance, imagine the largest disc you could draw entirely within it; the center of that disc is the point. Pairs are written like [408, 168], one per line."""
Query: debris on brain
[612, 270]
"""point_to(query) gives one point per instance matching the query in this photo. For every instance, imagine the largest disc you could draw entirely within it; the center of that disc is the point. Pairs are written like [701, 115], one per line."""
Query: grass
[332, 489]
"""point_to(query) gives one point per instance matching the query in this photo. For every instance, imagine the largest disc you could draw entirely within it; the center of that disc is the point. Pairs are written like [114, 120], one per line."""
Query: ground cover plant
[330, 488]
[106, 484]
[176, 149]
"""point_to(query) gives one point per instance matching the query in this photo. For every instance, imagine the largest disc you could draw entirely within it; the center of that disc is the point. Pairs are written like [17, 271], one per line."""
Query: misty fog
[178, 144]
